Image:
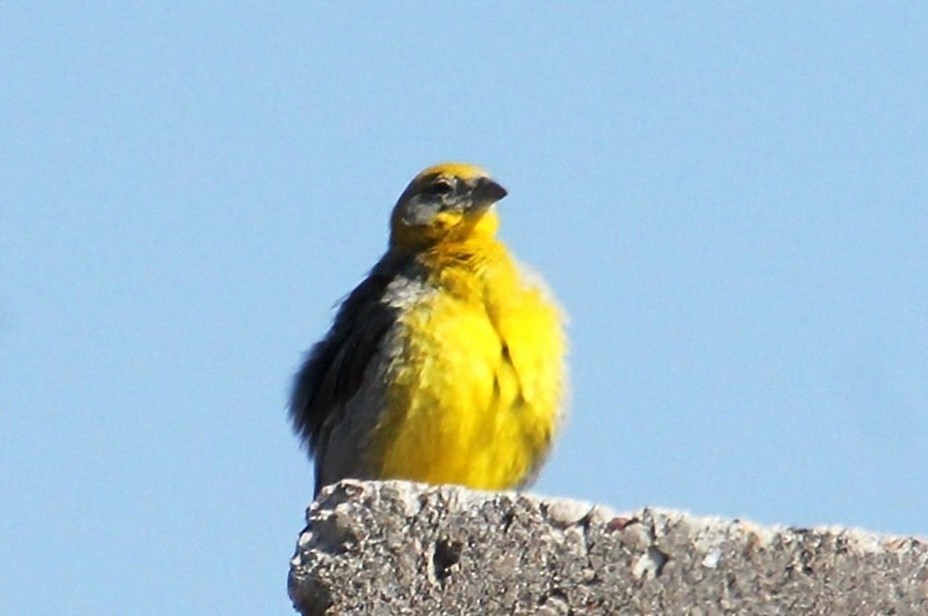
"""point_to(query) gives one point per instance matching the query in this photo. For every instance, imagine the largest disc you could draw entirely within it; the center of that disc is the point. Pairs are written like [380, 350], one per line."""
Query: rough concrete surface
[403, 548]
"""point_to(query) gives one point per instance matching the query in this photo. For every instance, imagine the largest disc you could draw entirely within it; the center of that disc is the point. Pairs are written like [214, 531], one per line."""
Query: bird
[446, 364]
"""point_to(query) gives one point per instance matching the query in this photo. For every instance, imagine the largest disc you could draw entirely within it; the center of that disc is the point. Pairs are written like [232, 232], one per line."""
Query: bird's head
[447, 202]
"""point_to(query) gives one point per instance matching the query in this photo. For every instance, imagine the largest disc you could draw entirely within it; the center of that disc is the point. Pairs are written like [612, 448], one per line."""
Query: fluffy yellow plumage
[446, 364]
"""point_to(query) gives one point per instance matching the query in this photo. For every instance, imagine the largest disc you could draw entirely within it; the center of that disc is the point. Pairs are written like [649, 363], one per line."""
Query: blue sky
[729, 199]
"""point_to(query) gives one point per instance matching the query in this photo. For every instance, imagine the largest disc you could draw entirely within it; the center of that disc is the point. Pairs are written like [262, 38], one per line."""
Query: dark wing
[335, 366]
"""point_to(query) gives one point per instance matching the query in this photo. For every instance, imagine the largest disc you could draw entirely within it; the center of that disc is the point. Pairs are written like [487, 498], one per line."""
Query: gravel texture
[403, 548]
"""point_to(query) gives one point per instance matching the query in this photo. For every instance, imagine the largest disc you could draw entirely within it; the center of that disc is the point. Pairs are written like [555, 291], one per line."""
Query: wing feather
[334, 369]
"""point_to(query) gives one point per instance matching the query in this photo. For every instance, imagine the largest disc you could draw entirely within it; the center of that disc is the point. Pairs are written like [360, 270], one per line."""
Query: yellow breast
[476, 388]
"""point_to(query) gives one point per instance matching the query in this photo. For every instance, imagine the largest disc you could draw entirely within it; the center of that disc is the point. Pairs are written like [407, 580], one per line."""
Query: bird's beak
[487, 192]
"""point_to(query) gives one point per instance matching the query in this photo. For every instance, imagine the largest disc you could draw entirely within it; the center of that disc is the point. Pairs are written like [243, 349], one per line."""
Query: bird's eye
[438, 188]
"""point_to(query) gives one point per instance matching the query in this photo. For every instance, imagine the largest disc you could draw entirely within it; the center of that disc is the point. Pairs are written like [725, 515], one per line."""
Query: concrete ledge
[403, 548]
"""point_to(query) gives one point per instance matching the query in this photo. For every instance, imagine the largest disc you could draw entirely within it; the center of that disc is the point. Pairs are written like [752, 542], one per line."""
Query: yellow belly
[475, 394]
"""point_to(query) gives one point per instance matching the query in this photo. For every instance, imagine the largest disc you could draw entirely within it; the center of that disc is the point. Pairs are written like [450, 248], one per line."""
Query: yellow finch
[446, 364]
